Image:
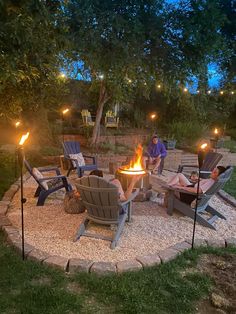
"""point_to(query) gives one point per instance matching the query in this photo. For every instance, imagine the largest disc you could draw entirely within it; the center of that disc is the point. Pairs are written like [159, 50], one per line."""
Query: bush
[51, 151]
[231, 145]
[186, 133]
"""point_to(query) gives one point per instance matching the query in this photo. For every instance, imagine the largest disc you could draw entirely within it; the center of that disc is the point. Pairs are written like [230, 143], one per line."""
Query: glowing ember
[203, 146]
[23, 138]
[135, 167]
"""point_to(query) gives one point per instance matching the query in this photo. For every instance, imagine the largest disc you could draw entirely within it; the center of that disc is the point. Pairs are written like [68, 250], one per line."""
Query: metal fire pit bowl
[129, 172]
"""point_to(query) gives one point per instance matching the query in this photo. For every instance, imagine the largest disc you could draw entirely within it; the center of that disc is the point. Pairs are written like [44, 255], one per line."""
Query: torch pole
[62, 128]
[22, 199]
[195, 213]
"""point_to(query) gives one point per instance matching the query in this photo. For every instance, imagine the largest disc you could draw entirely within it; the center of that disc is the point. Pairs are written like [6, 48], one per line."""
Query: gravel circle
[51, 229]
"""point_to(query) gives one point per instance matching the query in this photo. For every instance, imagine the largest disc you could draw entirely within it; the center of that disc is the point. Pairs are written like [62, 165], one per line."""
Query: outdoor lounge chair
[210, 162]
[73, 148]
[101, 200]
[86, 117]
[111, 121]
[203, 202]
[47, 185]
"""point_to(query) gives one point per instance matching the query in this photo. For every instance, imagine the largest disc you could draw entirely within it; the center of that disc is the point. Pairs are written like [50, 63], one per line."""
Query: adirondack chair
[101, 200]
[210, 162]
[73, 147]
[86, 117]
[203, 202]
[47, 185]
[111, 121]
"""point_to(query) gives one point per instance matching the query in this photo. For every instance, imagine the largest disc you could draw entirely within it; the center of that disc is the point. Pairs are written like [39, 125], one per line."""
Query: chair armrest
[131, 198]
[46, 169]
[181, 167]
[172, 188]
[87, 156]
[205, 171]
[51, 178]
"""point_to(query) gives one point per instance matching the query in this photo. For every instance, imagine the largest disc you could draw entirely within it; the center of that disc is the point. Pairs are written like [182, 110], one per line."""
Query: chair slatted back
[71, 147]
[100, 198]
[211, 160]
[218, 185]
[30, 169]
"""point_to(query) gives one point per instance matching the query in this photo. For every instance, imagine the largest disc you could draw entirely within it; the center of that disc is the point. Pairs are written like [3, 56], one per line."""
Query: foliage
[107, 147]
[8, 166]
[186, 133]
[50, 151]
[231, 145]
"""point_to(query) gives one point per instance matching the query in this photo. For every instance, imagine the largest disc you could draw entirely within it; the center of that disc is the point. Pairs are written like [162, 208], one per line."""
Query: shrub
[186, 133]
[51, 151]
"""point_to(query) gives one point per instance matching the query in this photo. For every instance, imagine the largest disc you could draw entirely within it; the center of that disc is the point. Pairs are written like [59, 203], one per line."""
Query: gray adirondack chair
[101, 200]
[210, 162]
[203, 202]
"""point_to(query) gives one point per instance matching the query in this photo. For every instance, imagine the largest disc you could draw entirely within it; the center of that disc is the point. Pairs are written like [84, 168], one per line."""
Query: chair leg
[212, 211]
[170, 206]
[68, 172]
[37, 192]
[42, 197]
[120, 228]
[81, 230]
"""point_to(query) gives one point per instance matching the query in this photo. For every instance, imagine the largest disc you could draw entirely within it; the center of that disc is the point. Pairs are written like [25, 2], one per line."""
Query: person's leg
[156, 162]
[161, 166]
[179, 179]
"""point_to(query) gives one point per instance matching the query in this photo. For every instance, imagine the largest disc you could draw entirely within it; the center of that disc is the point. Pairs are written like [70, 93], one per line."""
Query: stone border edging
[101, 268]
[227, 197]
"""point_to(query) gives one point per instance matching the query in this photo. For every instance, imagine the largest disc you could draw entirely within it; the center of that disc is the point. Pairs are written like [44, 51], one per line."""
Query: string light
[209, 92]
[158, 86]
[185, 89]
[101, 76]
[198, 91]
[232, 93]
[221, 92]
[62, 75]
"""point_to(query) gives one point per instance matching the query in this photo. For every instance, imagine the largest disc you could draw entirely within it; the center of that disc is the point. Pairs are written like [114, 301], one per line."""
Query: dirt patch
[222, 270]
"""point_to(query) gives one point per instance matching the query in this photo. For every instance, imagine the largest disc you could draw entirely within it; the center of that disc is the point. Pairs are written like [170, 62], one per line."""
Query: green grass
[230, 186]
[28, 287]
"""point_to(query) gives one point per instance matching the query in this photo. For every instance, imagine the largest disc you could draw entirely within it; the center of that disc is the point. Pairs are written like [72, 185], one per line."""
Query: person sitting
[123, 196]
[180, 181]
[155, 154]
[193, 177]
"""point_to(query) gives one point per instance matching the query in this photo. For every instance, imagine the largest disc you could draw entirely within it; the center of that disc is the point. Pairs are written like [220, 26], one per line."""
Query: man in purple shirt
[155, 154]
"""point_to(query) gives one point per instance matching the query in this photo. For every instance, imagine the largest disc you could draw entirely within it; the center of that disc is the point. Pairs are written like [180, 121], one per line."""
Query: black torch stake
[201, 157]
[22, 199]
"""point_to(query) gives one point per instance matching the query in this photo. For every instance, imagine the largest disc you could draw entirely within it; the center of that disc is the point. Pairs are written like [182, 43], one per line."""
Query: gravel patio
[51, 229]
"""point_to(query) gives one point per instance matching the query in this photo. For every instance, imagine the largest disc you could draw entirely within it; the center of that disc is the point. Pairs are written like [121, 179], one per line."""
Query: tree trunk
[103, 98]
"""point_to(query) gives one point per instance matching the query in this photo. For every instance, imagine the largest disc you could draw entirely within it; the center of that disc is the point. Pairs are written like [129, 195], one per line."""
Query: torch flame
[203, 146]
[135, 166]
[65, 111]
[216, 131]
[17, 124]
[23, 138]
[153, 116]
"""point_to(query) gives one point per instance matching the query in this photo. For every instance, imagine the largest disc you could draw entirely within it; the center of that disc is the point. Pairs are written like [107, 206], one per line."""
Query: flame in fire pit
[135, 167]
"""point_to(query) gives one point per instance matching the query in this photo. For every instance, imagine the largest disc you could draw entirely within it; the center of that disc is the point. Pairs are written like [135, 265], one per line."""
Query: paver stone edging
[100, 268]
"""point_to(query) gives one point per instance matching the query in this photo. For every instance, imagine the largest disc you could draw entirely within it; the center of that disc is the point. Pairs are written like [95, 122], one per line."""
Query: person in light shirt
[181, 182]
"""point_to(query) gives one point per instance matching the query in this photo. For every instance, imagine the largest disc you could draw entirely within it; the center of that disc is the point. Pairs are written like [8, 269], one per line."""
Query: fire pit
[125, 173]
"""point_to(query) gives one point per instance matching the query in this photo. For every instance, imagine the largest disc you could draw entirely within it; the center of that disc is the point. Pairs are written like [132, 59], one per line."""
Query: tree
[32, 42]
[126, 46]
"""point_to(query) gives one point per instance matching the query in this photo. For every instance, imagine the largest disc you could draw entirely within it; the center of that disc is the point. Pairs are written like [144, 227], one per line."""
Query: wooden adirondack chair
[210, 162]
[203, 202]
[101, 200]
[111, 121]
[86, 117]
[47, 185]
[73, 147]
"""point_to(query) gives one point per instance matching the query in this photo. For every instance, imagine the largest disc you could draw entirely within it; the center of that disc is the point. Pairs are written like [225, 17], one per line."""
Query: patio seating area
[51, 229]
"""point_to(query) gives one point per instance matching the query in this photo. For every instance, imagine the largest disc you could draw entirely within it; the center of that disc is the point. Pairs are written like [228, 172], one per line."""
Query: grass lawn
[230, 186]
[28, 287]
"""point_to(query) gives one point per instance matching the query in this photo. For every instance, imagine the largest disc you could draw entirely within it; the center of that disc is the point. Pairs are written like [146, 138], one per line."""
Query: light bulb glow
[203, 146]
[65, 111]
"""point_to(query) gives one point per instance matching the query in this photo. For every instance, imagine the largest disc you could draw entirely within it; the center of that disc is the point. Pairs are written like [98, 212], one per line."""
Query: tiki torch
[64, 112]
[216, 133]
[201, 157]
[22, 199]
[17, 124]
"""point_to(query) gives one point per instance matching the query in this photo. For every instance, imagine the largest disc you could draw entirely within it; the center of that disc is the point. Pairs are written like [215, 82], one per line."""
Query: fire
[23, 138]
[203, 146]
[135, 167]
[216, 131]
[65, 111]
[17, 124]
